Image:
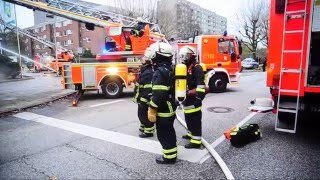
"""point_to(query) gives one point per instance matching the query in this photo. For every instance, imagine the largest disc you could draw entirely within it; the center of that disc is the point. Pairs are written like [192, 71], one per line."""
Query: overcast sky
[226, 8]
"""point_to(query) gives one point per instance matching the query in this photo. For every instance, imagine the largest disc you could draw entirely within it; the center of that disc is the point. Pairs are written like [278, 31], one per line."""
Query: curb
[36, 103]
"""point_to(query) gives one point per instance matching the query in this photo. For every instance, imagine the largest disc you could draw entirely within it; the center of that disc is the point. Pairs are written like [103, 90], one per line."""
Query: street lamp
[18, 39]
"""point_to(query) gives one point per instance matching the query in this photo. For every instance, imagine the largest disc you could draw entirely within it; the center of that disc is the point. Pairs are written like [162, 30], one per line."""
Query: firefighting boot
[192, 146]
[141, 128]
[186, 137]
[145, 135]
[161, 160]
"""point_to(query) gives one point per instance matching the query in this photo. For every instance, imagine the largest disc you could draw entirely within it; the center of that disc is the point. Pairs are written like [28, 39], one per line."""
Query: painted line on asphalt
[107, 103]
[147, 145]
[222, 138]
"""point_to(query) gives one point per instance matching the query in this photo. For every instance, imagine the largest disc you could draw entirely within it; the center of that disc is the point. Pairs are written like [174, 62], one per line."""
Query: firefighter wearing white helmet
[195, 94]
[162, 105]
[142, 94]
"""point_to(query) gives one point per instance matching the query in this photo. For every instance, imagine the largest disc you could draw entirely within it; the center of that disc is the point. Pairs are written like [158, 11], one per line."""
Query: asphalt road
[99, 140]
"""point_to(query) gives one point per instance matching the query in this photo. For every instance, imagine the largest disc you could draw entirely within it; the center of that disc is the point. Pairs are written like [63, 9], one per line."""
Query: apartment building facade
[189, 17]
[68, 34]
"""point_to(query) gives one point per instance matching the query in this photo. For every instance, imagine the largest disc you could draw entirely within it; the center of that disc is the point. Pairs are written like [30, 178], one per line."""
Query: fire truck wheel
[112, 89]
[218, 83]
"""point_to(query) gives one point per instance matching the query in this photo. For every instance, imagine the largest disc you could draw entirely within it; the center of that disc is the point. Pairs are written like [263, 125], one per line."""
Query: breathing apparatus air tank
[204, 68]
[180, 82]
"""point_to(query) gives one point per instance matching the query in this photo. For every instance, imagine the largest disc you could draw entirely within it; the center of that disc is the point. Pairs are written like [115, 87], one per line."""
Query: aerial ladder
[30, 35]
[118, 26]
[118, 71]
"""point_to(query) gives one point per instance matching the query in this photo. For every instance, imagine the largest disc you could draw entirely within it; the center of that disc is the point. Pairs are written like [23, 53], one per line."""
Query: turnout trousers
[167, 136]
[146, 126]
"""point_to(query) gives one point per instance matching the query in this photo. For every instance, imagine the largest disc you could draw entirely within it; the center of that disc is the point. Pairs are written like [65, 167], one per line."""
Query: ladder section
[82, 12]
[291, 70]
[30, 35]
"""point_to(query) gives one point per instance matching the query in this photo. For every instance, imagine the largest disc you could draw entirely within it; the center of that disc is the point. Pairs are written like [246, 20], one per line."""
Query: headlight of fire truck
[112, 70]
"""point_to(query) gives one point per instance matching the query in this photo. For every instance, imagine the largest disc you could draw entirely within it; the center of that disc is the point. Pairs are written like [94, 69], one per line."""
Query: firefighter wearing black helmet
[142, 91]
[195, 94]
[162, 105]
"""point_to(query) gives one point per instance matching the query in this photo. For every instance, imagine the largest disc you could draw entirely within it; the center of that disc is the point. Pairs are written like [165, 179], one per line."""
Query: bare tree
[166, 19]
[254, 24]
[138, 8]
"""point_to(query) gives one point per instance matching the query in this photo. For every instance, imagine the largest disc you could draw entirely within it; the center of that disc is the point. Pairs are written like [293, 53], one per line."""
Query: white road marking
[222, 138]
[109, 136]
[107, 103]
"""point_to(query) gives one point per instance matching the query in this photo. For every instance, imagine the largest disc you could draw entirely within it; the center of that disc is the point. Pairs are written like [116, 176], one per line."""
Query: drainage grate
[220, 109]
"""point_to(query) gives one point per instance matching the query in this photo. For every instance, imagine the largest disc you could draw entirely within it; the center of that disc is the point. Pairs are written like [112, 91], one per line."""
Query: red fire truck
[293, 71]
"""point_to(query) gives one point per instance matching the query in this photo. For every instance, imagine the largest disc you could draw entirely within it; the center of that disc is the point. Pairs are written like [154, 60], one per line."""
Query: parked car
[249, 63]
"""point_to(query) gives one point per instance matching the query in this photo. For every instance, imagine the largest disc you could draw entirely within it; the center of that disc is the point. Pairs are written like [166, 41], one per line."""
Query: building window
[58, 43]
[65, 43]
[43, 28]
[70, 42]
[87, 39]
[58, 34]
[37, 46]
[36, 30]
[26, 41]
[68, 32]
[26, 48]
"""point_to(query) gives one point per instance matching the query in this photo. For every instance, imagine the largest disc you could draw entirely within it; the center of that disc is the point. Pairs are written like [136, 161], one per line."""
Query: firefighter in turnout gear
[195, 94]
[143, 90]
[162, 105]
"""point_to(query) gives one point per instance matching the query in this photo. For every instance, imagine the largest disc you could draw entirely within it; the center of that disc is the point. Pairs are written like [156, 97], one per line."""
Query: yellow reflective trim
[187, 111]
[160, 87]
[170, 107]
[153, 104]
[147, 86]
[189, 134]
[166, 114]
[194, 141]
[233, 133]
[170, 156]
[200, 90]
[166, 151]
[149, 129]
[143, 99]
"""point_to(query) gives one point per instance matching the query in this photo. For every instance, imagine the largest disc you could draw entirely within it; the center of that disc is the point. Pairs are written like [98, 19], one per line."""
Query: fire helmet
[187, 55]
[159, 52]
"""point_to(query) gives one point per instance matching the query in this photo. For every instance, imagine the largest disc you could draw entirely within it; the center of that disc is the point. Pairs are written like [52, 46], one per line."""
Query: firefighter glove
[152, 114]
[191, 92]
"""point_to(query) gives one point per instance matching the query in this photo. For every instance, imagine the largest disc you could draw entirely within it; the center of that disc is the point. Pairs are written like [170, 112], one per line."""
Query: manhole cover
[220, 109]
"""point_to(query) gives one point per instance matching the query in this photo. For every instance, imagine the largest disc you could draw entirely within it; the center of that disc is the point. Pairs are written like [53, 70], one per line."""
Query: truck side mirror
[233, 56]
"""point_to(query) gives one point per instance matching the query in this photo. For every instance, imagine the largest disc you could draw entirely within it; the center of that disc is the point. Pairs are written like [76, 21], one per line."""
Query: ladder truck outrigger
[117, 66]
[293, 70]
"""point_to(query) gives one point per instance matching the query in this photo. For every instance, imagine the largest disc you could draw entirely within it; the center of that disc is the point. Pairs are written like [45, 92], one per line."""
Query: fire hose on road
[214, 153]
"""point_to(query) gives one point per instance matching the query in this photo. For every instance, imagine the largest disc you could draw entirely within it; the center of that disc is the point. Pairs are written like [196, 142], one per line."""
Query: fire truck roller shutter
[112, 86]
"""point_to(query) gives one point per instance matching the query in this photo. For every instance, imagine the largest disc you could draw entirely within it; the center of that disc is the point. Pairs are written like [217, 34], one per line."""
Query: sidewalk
[39, 89]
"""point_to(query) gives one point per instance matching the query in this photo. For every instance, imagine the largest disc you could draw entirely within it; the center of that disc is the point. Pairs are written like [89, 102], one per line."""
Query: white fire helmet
[159, 48]
[186, 54]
